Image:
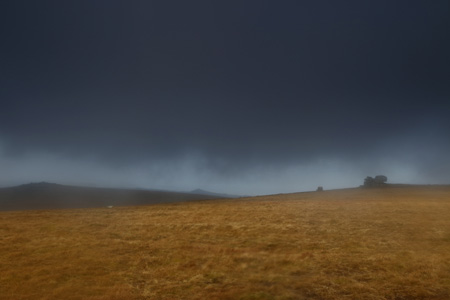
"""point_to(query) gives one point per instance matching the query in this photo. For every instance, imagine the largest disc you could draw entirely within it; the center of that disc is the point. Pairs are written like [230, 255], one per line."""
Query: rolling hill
[361, 243]
[53, 196]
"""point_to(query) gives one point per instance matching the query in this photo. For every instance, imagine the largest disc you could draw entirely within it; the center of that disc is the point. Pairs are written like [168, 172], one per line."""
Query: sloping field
[391, 243]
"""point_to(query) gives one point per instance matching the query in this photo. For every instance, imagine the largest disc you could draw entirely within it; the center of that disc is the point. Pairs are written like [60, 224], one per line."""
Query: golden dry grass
[350, 244]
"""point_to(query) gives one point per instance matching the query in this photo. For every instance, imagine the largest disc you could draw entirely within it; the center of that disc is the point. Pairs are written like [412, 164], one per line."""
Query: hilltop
[218, 195]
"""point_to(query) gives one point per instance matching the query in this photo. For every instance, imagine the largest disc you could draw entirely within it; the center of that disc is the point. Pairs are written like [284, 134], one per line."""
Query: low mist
[414, 161]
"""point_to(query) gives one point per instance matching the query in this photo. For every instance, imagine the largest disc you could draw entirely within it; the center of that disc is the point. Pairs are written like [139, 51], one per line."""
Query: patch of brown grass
[348, 244]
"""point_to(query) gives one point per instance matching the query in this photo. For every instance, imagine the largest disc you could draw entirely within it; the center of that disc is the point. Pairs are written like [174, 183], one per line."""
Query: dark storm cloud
[187, 92]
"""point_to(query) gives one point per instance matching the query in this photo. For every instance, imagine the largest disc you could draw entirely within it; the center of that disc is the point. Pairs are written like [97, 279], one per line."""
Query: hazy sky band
[235, 90]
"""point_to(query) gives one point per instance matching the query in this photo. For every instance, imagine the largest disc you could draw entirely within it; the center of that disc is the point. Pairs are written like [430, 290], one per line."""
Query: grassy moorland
[391, 243]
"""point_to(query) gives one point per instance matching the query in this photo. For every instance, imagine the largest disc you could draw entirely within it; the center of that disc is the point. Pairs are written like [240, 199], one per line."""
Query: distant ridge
[407, 185]
[203, 192]
[45, 195]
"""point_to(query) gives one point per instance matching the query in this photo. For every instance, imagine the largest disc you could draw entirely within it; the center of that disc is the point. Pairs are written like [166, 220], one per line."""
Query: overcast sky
[244, 97]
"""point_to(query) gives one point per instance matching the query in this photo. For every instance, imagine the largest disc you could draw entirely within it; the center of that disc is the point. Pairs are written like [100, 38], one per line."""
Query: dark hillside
[50, 196]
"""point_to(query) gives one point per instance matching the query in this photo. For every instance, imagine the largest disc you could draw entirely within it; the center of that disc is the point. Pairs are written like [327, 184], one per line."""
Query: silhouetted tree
[319, 189]
[379, 180]
[369, 181]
